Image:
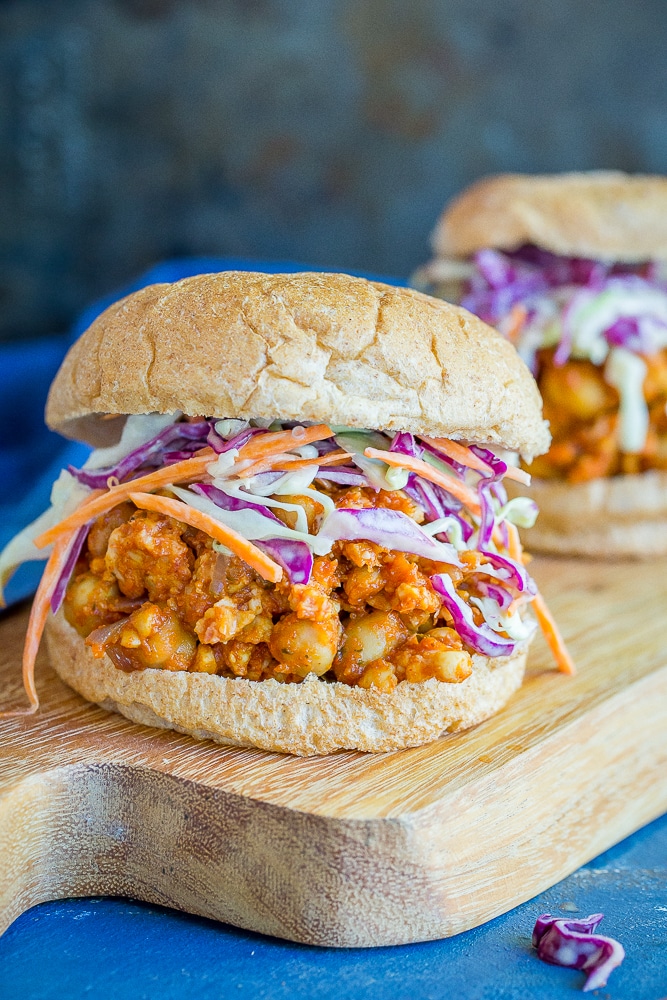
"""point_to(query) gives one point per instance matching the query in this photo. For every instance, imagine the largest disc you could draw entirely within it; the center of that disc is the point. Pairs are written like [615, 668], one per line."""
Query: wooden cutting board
[351, 849]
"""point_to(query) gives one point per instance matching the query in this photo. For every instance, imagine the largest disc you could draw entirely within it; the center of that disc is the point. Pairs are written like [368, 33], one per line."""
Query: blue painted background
[330, 131]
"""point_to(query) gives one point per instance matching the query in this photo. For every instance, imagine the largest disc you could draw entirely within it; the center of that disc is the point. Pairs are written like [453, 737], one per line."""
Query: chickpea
[448, 665]
[305, 646]
[89, 603]
[155, 637]
[204, 661]
[363, 582]
[367, 638]
[434, 655]
[578, 387]
[379, 674]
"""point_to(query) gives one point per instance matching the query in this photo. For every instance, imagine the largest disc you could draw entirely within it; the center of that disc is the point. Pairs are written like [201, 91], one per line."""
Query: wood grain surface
[351, 849]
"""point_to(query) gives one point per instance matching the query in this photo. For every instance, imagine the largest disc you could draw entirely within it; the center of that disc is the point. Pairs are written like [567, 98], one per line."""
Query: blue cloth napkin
[31, 456]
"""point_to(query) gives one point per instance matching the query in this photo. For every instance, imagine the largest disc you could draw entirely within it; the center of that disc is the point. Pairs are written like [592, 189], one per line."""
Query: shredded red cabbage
[342, 476]
[458, 468]
[181, 455]
[575, 945]
[497, 468]
[152, 450]
[480, 638]
[60, 588]
[503, 279]
[404, 444]
[219, 445]
[515, 574]
[226, 502]
[390, 528]
[500, 595]
[432, 501]
[295, 557]
[325, 446]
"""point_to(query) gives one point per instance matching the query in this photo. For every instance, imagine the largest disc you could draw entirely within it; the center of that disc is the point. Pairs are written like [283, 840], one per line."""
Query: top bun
[605, 215]
[311, 347]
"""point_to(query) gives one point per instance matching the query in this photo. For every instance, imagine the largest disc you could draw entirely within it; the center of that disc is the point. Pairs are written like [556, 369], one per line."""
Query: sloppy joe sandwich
[572, 268]
[293, 532]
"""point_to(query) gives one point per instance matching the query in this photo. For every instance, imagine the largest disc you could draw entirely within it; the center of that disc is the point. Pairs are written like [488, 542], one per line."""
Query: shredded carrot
[38, 615]
[99, 503]
[517, 318]
[277, 442]
[426, 471]
[289, 463]
[459, 453]
[514, 548]
[266, 567]
[552, 635]
[331, 458]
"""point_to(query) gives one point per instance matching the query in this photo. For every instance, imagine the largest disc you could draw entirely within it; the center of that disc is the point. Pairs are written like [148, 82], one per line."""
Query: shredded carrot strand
[277, 442]
[289, 463]
[426, 471]
[99, 503]
[266, 567]
[459, 453]
[332, 458]
[38, 615]
[514, 548]
[517, 318]
[552, 635]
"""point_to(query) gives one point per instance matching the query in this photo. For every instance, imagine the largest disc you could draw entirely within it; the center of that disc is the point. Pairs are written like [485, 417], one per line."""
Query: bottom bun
[315, 717]
[617, 517]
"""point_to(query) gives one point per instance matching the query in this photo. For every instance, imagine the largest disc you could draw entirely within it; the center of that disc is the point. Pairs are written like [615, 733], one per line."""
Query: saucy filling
[150, 591]
[224, 547]
[583, 411]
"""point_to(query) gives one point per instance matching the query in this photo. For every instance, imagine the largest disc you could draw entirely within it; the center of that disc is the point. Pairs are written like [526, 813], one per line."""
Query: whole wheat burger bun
[604, 215]
[314, 717]
[313, 347]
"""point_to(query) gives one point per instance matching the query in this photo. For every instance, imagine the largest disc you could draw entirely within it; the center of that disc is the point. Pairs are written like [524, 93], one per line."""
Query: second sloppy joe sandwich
[572, 268]
[293, 532]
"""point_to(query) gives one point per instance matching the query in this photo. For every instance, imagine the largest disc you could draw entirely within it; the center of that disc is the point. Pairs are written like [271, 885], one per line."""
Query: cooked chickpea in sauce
[150, 591]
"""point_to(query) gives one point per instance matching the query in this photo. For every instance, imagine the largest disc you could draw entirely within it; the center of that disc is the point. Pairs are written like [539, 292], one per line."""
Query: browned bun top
[312, 347]
[605, 215]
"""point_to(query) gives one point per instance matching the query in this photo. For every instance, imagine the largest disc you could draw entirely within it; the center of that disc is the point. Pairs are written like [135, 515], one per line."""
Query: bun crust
[606, 215]
[302, 719]
[618, 517]
[313, 347]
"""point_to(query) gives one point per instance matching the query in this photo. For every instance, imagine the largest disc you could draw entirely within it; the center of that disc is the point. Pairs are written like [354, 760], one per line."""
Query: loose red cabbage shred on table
[575, 945]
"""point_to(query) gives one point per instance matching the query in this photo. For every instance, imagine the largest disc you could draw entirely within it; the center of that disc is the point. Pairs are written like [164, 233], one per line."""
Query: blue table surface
[126, 950]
